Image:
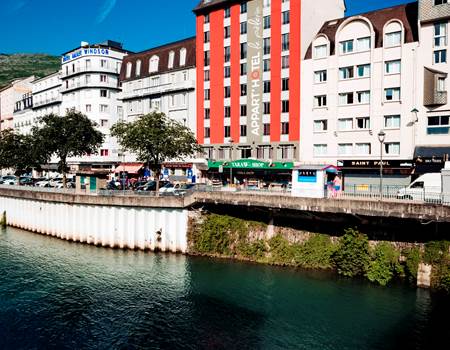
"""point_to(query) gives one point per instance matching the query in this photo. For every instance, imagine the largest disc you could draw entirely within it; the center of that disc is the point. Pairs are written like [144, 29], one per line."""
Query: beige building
[9, 95]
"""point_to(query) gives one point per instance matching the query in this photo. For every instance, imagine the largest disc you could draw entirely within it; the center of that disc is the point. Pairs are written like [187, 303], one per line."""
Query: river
[61, 295]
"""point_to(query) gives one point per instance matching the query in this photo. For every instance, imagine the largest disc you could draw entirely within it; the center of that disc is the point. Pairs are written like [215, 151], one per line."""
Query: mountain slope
[23, 65]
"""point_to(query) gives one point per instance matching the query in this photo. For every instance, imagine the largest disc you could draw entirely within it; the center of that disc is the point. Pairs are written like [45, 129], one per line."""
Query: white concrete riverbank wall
[134, 223]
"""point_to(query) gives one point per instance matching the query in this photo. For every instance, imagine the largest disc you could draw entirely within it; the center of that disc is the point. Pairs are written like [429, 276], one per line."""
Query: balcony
[91, 84]
[91, 69]
[159, 89]
[56, 99]
[436, 98]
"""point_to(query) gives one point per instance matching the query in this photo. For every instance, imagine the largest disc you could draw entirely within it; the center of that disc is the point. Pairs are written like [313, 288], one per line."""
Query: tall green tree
[20, 152]
[154, 138]
[72, 135]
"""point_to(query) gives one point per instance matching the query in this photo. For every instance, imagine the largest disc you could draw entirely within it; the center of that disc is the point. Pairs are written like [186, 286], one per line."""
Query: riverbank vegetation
[351, 255]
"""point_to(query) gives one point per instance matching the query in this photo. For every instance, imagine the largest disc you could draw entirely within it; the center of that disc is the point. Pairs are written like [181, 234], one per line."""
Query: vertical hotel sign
[254, 70]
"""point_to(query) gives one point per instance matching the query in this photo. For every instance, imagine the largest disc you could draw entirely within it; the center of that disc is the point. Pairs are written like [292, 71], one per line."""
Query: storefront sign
[254, 66]
[308, 176]
[368, 164]
[85, 52]
[175, 165]
[250, 164]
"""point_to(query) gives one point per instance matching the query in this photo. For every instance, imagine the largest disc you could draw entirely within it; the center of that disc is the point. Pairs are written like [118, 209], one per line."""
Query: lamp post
[381, 138]
[231, 161]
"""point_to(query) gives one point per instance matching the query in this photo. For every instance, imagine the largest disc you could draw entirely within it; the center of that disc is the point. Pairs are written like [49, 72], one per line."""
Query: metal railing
[77, 70]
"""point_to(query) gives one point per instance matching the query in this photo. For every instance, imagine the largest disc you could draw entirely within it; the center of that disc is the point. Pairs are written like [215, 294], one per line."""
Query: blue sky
[55, 26]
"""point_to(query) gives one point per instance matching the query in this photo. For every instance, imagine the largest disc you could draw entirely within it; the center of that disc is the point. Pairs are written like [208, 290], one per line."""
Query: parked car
[183, 189]
[426, 188]
[42, 183]
[26, 181]
[168, 188]
[151, 186]
[9, 180]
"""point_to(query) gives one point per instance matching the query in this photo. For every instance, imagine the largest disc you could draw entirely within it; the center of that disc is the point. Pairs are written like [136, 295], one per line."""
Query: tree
[155, 138]
[73, 135]
[20, 152]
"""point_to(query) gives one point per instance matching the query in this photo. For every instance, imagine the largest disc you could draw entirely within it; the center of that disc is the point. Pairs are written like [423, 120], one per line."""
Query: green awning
[251, 164]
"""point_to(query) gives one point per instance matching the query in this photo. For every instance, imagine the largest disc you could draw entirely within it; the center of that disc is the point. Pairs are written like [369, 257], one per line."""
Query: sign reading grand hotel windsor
[254, 68]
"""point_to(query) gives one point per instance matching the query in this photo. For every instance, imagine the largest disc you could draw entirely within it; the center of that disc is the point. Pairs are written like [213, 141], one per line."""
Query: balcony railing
[97, 84]
[160, 89]
[78, 70]
[47, 101]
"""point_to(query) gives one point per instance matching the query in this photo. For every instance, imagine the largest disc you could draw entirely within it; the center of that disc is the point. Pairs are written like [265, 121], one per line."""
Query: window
[285, 61]
[244, 7]
[440, 34]
[286, 152]
[171, 59]
[345, 148]
[346, 98]
[88, 108]
[266, 86]
[266, 22]
[207, 18]
[227, 12]
[346, 73]
[154, 81]
[103, 77]
[227, 91]
[285, 84]
[285, 106]
[320, 150]
[207, 113]
[363, 44]
[285, 17]
[266, 46]
[243, 68]
[363, 123]
[104, 63]
[154, 63]
[129, 67]
[243, 89]
[227, 53]
[320, 125]
[363, 148]
[138, 69]
[345, 124]
[392, 148]
[393, 67]
[227, 71]
[346, 46]
[227, 131]
[227, 112]
[104, 108]
[363, 97]
[266, 107]
[207, 133]
[243, 27]
[104, 123]
[440, 56]
[440, 84]
[266, 65]
[87, 78]
[285, 128]
[243, 130]
[320, 76]
[320, 51]
[320, 101]
[285, 42]
[207, 94]
[264, 152]
[227, 32]
[243, 110]
[103, 93]
[206, 37]
[206, 58]
[438, 125]
[440, 2]
[392, 121]
[392, 39]
[363, 70]
[243, 51]
[104, 153]
[266, 129]
[392, 94]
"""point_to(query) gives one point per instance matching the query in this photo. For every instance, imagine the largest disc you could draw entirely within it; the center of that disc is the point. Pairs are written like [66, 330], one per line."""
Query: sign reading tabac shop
[254, 70]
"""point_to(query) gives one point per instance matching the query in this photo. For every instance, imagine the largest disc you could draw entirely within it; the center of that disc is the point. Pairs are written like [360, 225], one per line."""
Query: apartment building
[47, 96]
[248, 77]
[90, 84]
[433, 111]
[23, 114]
[360, 77]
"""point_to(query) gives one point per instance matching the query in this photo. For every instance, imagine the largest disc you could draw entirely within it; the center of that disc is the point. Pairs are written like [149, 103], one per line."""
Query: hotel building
[248, 75]
[359, 77]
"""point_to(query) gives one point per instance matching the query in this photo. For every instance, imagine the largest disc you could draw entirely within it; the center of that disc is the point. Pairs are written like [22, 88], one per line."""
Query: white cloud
[105, 10]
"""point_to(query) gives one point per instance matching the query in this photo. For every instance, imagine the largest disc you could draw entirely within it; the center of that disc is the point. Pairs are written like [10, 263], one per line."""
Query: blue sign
[79, 53]
[307, 176]
[190, 173]
[166, 172]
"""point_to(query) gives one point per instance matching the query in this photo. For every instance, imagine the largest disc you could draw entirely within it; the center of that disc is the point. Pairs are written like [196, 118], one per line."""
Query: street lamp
[231, 161]
[381, 138]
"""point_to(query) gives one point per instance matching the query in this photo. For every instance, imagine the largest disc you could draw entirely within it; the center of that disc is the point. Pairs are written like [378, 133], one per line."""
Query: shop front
[430, 159]
[365, 174]
[250, 173]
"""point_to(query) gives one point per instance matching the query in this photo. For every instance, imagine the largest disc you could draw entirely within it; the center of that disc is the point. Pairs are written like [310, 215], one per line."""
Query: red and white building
[249, 57]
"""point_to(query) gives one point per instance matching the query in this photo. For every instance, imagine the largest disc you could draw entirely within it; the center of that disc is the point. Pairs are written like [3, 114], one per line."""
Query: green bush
[412, 263]
[435, 251]
[384, 265]
[352, 255]
[255, 250]
[281, 252]
[315, 253]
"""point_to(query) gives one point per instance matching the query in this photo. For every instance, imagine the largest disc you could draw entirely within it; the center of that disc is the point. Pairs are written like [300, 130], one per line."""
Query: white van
[427, 188]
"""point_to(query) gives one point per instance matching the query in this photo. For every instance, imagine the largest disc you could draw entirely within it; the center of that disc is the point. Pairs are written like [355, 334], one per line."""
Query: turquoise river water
[60, 295]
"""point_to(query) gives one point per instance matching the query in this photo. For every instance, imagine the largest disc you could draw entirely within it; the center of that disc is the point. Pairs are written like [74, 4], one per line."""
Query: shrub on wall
[352, 255]
[384, 264]
[413, 259]
[316, 253]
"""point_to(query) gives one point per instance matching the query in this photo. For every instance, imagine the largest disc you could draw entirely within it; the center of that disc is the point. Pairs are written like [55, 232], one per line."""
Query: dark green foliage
[255, 250]
[437, 254]
[384, 265]
[155, 138]
[434, 251]
[316, 253]
[281, 251]
[352, 255]
[412, 263]
[24, 65]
